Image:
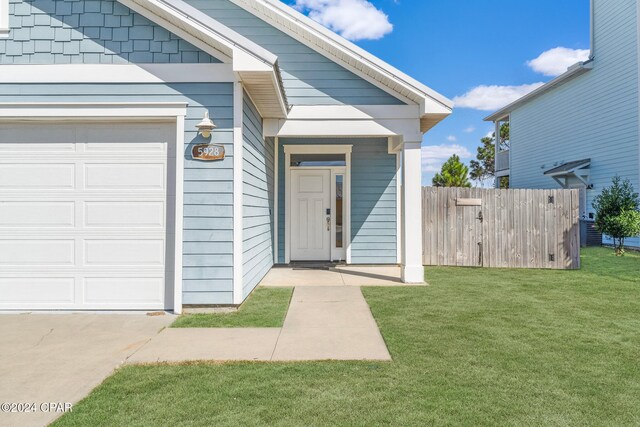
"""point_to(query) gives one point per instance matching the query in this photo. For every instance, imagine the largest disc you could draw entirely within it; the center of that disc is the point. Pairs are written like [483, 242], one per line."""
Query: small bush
[617, 212]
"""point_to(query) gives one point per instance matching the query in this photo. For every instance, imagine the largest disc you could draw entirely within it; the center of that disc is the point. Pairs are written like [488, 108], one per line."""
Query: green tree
[483, 168]
[617, 212]
[454, 173]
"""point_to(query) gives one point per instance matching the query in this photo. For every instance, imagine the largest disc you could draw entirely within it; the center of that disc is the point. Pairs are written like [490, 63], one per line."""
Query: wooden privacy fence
[478, 227]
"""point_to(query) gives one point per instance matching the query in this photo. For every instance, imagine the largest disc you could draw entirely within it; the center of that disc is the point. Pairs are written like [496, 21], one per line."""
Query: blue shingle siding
[89, 32]
[373, 199]
[257, 201]
[208, 186]
[309, 78]
[593, 116]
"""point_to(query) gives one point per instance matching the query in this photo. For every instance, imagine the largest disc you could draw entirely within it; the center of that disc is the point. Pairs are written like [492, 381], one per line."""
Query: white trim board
[317, 149]
[408, 128]
[111, 73]
[353, 112]
[57, 110]
[399, 206]
[238, 174]
[276, 188]
[4, 18]
[112, 111]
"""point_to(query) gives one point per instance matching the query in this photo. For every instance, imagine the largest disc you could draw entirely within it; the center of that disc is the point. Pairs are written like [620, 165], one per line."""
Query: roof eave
[573, 72]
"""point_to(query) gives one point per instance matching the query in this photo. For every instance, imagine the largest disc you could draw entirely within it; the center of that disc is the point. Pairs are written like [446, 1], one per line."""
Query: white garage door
[84, 214]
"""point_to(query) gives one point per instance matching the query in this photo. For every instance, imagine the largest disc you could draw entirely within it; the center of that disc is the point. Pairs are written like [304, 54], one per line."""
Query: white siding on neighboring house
[592, 116]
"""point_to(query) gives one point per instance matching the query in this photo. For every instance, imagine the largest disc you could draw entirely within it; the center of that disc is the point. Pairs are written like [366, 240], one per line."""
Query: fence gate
[475, 227]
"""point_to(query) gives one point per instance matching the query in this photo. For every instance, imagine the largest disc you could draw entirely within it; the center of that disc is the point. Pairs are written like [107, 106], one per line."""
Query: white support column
[399, 206]
[238, 96]
[276, 213]
[412, 268]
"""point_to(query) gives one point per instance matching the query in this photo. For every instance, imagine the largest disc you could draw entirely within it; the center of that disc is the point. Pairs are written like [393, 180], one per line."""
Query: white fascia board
[184, 16]
[244, 62]
[304, 29]
[314, 149]
[573, 72]
[353, 112]
[230, 37]
[112, 73]
[4, 18]
[179, 25]
[60, 110]
[408, 128]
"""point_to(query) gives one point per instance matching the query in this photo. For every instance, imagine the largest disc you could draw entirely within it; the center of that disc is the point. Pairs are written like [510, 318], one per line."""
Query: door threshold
[315, 265]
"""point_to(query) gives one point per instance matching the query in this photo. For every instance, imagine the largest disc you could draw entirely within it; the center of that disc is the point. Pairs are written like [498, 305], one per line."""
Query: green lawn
[265, 308]
[477, 347]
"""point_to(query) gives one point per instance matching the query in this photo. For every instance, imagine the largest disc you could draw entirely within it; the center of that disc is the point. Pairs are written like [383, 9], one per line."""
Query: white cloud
[555, 61]
[352, 19]
[452, 138]
[433, 156]
[489, 98]
[470, 129]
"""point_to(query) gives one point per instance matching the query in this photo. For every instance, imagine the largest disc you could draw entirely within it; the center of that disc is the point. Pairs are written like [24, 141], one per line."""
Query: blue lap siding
[309, 78]
[208, 187]
[257, 200]
[373, 199]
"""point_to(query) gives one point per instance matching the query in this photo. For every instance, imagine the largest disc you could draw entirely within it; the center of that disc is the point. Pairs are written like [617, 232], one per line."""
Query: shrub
[617, 212]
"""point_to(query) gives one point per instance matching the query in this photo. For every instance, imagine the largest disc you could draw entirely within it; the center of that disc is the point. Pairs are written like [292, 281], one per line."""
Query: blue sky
[454, 46]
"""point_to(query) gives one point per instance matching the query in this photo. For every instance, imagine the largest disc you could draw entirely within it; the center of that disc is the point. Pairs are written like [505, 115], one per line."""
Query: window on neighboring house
[4, 18]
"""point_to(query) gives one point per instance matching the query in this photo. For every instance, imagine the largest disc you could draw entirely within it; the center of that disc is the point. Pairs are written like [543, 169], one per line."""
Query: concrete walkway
[340, 275]
[323, 323]
[61, 357]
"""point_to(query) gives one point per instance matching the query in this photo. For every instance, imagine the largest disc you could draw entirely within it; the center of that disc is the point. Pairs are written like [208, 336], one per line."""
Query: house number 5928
[208, 152]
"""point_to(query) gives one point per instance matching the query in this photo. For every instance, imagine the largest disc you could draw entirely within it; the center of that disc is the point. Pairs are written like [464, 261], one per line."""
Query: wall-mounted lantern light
[206, 126]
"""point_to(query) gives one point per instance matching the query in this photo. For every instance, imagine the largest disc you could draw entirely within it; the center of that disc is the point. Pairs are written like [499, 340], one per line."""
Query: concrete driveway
[60, 358]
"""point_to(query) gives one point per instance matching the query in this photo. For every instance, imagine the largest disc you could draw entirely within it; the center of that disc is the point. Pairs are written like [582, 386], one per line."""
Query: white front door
[311, 215]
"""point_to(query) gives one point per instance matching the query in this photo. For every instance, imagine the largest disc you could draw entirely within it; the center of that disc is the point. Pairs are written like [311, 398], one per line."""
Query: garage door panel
[137, 252]
[139, 176]
[122, 291]
[36, 214]
[85, 215]
[120, 148]
[31, 140]
[14, 252]
[36, 176]
[37, 148]
[37, 290]
[149, 214]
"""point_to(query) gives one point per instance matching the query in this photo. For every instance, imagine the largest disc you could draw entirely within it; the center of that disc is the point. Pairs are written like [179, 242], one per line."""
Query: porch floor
[334, 275]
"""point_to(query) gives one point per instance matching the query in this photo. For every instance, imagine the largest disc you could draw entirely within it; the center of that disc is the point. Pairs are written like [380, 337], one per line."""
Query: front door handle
[328, 223]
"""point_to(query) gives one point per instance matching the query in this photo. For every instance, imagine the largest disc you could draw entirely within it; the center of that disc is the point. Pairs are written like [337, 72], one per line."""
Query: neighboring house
[102, 205]
[582, 128]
